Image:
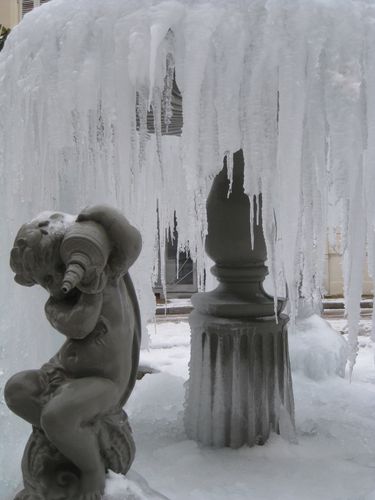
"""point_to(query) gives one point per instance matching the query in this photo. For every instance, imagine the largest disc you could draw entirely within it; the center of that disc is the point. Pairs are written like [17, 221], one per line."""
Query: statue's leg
[65, 421]
[23, 395]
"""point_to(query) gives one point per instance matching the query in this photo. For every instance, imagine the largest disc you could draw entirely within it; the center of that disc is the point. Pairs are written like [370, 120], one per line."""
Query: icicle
[369, 154]
[236, 418]
[218, 411]
[252, 214]
[229, 163]
[205, 415]
[167, 92]
[141, 111]
[156, 108]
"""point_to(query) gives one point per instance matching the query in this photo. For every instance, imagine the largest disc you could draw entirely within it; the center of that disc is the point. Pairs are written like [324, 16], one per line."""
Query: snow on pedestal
[240, 386]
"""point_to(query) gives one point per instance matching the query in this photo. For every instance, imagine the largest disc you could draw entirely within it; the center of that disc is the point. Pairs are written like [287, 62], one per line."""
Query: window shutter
[27, 5]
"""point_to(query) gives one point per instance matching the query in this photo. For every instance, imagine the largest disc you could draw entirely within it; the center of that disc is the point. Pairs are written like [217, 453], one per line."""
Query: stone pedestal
[240, 383]
[240, 386]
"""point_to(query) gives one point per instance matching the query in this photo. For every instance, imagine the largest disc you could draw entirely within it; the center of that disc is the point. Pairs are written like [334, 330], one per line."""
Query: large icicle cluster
[290, 82]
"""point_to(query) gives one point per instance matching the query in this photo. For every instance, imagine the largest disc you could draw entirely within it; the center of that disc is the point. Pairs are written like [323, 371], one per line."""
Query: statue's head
[35, 256]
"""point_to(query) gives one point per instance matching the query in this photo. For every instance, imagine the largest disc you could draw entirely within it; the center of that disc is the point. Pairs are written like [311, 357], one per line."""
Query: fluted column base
[240, 386]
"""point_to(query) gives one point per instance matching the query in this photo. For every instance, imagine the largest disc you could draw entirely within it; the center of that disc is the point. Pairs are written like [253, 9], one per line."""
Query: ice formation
[316, 349]
[291, 83]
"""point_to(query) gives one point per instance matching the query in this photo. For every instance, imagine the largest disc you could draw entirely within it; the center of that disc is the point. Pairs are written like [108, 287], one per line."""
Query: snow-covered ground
[333, 460]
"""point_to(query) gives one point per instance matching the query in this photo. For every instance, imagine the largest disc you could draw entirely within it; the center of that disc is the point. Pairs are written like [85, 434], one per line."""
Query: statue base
[48, 475]
[240, 386]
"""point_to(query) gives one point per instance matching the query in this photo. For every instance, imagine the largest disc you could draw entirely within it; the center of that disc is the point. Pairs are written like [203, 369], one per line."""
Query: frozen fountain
[291, 84]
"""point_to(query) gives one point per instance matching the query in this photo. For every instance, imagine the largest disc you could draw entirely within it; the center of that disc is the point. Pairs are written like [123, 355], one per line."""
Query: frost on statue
[74, 401]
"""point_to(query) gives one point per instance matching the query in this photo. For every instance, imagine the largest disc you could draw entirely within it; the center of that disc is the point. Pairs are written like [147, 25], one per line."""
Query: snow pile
[176, 336]
[333, 460]
[133, 487]
[316, 349]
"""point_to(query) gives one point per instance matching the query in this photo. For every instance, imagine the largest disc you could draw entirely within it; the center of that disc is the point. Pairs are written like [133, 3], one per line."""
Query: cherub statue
[74, 401]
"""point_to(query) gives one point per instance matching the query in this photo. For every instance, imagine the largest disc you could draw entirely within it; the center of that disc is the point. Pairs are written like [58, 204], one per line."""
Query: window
[179, 282]
[28, 5]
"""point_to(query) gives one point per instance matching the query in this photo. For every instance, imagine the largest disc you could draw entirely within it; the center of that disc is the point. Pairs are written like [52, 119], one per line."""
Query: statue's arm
[125, 239]
[78, 320]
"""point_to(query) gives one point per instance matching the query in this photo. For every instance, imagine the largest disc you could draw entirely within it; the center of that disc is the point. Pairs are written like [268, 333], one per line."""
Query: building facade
[12, 11]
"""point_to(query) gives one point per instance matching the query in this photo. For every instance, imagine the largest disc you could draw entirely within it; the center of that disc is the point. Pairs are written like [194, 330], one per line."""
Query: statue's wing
[136, 337]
